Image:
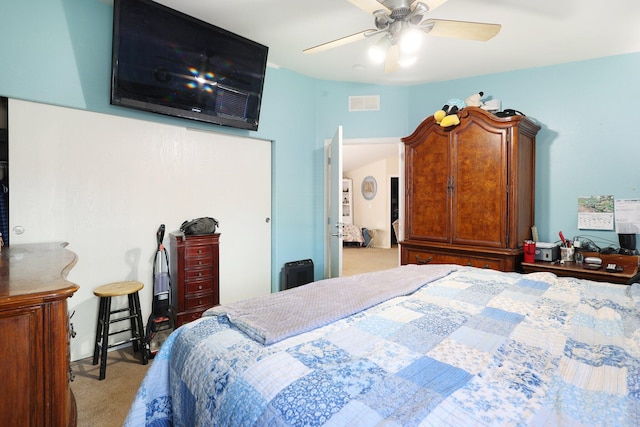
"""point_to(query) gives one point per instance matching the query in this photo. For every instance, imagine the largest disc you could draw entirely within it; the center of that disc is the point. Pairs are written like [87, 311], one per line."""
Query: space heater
[297, 273]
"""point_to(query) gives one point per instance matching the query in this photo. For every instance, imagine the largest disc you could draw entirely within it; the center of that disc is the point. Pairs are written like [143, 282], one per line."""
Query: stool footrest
[120, 331]
[120, 310]
[120, 319]
[116, 344]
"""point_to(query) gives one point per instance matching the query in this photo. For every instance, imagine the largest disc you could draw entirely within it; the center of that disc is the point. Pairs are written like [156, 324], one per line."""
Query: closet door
[428, 181]
[105, 183]
[479, 214]
[239, 191]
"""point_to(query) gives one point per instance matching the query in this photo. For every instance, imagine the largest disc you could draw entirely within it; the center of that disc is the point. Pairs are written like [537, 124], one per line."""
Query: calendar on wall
[595, 212]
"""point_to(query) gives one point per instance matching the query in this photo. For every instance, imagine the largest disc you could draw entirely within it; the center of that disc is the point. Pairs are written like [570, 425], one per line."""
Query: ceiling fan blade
[433, 4]
[338, 42]
[460, 29]
[369, 6]
[391, 63]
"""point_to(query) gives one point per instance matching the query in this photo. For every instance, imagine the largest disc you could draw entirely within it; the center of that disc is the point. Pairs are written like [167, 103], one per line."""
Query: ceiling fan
[402, 24]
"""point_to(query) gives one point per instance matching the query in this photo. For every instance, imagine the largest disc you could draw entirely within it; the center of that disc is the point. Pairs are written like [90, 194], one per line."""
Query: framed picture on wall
[369, 188]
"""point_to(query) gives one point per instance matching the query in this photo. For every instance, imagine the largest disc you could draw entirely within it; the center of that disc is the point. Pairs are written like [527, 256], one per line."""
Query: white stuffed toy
[475, 100]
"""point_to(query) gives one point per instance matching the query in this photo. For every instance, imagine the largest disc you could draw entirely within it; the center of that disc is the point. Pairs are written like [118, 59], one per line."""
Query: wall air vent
[364, 103]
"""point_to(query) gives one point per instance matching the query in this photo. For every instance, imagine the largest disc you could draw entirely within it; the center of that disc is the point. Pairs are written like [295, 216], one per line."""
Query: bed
[411, 346]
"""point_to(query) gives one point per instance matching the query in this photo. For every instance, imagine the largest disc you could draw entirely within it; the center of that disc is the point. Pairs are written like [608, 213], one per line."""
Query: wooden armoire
[469, 191]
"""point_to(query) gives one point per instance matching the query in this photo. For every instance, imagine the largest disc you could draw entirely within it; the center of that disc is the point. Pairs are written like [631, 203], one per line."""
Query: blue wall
[332, 105]
[58, 52]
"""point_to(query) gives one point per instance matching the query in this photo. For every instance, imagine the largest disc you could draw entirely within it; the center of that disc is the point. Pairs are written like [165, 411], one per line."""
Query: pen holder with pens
[566, 253]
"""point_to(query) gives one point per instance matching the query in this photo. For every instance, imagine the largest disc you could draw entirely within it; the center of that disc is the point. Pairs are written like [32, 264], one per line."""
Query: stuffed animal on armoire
[447, 116]
[475, 100]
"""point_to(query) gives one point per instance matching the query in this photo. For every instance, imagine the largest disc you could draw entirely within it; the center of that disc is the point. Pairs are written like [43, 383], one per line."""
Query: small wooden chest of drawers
[194, 274]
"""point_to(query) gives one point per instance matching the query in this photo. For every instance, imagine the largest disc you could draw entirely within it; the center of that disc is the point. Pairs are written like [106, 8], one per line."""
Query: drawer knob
[199, 302]
[199, 287]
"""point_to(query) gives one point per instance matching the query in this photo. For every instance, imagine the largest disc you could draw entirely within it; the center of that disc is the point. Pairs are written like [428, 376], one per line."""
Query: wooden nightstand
[629, 264]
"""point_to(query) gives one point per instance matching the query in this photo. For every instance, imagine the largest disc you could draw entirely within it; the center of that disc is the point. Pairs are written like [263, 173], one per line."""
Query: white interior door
[335, 205]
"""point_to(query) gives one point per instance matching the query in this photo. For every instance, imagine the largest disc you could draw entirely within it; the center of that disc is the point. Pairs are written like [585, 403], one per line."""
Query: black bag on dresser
[204, 225]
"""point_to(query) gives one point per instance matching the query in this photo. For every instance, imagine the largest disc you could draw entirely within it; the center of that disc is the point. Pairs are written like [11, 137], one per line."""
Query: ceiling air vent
[364, 103]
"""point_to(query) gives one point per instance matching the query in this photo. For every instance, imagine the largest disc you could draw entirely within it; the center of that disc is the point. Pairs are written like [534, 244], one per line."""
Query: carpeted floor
[361, 260]
[106, 403]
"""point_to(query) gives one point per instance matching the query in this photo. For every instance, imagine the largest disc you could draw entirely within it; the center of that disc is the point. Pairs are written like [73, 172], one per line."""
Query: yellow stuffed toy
[447, 116]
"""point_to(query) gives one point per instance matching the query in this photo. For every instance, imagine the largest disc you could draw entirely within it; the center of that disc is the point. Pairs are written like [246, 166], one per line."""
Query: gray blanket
[274, 317]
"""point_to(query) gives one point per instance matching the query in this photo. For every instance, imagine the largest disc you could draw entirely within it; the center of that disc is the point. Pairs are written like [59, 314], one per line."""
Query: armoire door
[428, 182]
[479, 182]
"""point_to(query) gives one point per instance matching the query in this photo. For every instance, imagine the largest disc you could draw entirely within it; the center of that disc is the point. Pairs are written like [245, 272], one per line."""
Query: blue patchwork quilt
[473, 348]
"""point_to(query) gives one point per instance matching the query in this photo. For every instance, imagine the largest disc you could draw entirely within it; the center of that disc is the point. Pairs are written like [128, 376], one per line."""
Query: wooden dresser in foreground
[34, 335]
[195, 274]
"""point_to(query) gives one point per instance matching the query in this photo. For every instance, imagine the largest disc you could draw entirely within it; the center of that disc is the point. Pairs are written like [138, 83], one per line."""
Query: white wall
[105, 183]
[375, 214]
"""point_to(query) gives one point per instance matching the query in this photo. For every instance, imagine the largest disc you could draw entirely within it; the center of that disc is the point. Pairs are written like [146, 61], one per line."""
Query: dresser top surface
[36, 270]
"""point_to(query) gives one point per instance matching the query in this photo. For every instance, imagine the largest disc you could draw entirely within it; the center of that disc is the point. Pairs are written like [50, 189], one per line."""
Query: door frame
[401, 187]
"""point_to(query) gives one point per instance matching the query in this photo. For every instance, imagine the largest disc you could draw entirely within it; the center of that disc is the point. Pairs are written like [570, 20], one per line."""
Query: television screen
[167, 62]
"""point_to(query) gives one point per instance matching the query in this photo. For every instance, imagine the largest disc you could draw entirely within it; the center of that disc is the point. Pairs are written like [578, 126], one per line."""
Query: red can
[529, 251]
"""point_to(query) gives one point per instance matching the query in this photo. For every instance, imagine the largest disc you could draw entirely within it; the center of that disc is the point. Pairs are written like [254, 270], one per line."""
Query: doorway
[382, 159]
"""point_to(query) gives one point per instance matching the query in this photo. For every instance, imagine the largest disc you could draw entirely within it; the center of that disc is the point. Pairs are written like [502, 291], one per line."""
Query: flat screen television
[170, 63]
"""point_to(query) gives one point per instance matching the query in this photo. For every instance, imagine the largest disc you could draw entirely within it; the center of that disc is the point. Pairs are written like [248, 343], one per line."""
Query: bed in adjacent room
[434, 345]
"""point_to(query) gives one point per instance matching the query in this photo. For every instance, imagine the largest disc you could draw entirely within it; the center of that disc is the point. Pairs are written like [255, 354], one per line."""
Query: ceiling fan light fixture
[417, 14]
[410, 40]
[378, 51]
[381, 19]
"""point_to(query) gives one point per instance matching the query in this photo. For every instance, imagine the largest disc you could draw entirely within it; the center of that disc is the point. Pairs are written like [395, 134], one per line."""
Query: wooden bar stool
[106, 292]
